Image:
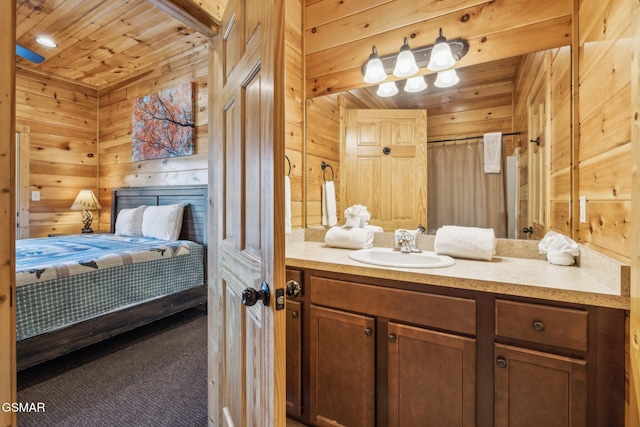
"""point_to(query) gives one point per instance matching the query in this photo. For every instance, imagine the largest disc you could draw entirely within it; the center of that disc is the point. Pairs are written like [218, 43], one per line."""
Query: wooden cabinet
[342, 368]
[432, 378]
[539, 389]
[294, 349]
[379, 352]
[418, 376]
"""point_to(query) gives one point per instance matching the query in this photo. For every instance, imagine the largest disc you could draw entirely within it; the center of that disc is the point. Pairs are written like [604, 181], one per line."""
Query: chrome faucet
[406, 241]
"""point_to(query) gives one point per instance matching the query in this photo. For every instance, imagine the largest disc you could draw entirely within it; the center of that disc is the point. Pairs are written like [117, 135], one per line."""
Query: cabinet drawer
[436, 311]
[542, 324]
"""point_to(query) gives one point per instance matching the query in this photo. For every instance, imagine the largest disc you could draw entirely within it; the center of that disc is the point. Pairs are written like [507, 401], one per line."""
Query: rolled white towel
[560, 249]
[349, 238]
[374, 228]
[465, 242]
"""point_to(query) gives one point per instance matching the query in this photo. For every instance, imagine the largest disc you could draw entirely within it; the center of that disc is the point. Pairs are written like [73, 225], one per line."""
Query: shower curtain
[460, 193]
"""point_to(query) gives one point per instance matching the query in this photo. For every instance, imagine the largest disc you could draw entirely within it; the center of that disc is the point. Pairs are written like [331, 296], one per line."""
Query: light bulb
[446, 78]
[415, 84]
[405, 62]
[441, 57]
[387, 89]
[374, 70]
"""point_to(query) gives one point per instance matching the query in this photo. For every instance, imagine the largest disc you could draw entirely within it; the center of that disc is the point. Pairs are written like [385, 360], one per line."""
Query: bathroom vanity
[512, 342]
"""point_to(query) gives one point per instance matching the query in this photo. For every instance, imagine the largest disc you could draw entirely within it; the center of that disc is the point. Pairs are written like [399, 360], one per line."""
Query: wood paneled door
[247, 338]
[384, 159]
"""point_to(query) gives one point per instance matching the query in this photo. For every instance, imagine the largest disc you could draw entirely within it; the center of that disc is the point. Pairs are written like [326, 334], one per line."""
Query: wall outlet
[583, 209]
[35, 196]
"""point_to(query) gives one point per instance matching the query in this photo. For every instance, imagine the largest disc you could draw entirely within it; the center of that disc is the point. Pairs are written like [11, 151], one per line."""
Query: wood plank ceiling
[101, 42]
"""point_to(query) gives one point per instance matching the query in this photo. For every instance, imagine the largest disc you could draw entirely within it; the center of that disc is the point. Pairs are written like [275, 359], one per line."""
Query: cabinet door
[539, 389]
[342, 368]
[294, 358]
[432, 378]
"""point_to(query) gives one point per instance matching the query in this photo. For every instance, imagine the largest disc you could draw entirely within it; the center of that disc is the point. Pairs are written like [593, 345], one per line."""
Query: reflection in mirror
[524, 98]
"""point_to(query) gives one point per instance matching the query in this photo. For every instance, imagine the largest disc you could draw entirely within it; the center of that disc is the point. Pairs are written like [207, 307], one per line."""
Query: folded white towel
[560, 249]
[465, 242]
[329, 216]
[349, 238]
[287, 204]
[492, 152]
[356, 216]
[374, 228]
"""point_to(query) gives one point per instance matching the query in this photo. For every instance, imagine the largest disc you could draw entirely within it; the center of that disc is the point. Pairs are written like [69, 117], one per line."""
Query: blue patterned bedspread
[55, 257]
[65, 280]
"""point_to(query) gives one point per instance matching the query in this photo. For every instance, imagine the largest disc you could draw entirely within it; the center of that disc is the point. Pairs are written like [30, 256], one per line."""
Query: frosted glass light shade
[405, 63]
[415, 84]
[387, 89]
[374, 71]
[441, 57]
[447, 78]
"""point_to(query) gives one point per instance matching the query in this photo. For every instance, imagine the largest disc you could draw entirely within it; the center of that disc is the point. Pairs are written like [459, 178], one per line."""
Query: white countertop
[533, 278]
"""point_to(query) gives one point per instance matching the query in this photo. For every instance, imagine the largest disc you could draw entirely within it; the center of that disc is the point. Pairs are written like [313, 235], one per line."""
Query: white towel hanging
[329, 215]
[287, 204]
[492, 152]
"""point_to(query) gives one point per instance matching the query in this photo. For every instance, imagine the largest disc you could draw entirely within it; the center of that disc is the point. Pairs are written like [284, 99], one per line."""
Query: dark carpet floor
[154, 376]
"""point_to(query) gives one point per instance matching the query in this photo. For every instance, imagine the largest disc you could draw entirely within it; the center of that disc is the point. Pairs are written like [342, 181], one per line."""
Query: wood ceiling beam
[190, 13]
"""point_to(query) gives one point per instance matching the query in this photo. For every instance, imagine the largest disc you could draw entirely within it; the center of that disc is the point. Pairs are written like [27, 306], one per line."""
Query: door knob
[293, 289]
[251, 296]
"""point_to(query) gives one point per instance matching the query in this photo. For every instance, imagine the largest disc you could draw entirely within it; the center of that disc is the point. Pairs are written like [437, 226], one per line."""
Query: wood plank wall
[322, 144]
[339, 35]
[294, 109]
[605, 132]
[62, 121]
[559, 61]
[115, 166]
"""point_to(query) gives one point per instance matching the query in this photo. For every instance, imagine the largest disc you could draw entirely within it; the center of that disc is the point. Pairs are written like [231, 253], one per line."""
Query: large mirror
[526, 98]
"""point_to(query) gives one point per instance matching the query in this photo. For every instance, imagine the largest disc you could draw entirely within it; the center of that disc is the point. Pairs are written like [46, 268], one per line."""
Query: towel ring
[288, 161]
[324, 166]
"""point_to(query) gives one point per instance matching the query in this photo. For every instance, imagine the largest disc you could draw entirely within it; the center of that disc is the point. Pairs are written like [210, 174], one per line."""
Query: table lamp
[86, 202]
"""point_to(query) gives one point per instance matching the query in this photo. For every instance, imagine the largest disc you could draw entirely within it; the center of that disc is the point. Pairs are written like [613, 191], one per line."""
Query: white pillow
[162, 222]
[129, 221]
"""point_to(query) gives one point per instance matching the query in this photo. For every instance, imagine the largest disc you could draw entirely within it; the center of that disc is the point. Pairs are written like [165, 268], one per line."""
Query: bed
[86, 292]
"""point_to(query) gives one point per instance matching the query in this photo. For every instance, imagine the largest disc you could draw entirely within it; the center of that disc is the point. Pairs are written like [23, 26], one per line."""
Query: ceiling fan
[28, 54]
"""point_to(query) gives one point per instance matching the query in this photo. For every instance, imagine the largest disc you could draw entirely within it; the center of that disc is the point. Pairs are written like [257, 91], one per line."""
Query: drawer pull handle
[392, 338]
[368, 332]
[502, 362]
[538, 326]
[294, 314]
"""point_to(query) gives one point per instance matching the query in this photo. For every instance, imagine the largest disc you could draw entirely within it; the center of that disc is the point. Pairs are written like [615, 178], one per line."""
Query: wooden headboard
[195, 198]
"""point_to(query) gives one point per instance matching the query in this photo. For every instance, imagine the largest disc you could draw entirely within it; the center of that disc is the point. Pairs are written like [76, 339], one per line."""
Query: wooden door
[384, 156]
[294, 358]
[342, 359]
[247, 342]
[538, 111]
[539, 389]
[432, 378]
[7, 213]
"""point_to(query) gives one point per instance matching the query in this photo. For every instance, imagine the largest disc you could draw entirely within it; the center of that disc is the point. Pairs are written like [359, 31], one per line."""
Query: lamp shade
[86, 201]
[374, 70]
[415, 84]
[405, 63]
[441, 57]
[446, 78]
[387, 89]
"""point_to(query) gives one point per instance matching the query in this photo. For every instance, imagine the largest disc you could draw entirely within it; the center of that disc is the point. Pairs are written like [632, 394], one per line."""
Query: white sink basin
[389, 258]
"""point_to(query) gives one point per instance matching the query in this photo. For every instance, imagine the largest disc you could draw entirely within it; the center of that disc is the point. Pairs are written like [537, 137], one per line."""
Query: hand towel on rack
[492, 152]
[349, 238]
[329, 216]
[287, 204]
[465, 242]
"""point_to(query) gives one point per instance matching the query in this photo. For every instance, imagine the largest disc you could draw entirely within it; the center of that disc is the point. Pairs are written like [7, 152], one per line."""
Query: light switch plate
[35, 196]
[583, 209]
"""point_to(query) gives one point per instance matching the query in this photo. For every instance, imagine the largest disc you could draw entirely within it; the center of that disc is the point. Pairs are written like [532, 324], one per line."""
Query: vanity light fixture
[446, 78]
[46, 41]
[377, 68]
[374, 71]
[405, 63]
[387, 89]
[441, 56]
[415, 84]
